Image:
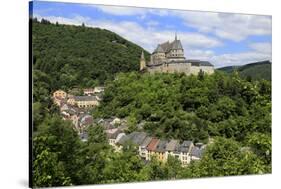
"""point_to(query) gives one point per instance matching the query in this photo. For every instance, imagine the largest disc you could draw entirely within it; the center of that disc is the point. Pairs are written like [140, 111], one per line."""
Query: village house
[86, 101]
[60, 94]
[89, 91]
[183, 151]
[160, 150]
[151, 148]
[143, 148]
[85, 120]
[71, 100]
[111, 135]
[197, 152]
[99, 89]
[171, 147]
[116, 147]
[93, 91]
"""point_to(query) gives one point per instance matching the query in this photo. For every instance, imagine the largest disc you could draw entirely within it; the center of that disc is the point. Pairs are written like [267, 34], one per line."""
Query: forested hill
[256, 70]
[79, 55]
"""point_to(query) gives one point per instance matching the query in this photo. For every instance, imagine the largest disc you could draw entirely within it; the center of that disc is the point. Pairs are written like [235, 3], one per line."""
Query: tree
[46, 168]
[96, 134]
[261, 145]
[226, 157]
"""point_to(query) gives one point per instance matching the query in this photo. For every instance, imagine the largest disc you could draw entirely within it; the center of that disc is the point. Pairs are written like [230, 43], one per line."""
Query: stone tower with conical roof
[142, 61]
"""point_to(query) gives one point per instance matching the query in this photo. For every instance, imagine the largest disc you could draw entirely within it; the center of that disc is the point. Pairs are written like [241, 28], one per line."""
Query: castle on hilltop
[169, 58]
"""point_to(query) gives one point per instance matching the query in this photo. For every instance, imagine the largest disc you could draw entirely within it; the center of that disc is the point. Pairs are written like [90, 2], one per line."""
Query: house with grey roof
[137, 137]
[197, 152]
[171, 147]
[86, 101]
[142, 147]
[182, 151]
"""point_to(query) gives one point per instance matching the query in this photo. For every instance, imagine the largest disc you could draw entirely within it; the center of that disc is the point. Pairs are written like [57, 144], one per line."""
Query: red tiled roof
[153, 144]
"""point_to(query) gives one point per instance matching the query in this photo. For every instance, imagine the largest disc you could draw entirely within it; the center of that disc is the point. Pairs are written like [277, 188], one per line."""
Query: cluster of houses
[148, 146]
[76, 108]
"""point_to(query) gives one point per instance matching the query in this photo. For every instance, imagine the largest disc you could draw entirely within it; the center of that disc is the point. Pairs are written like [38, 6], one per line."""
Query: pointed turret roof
[176, 44]
[159, 49]
[142, 55]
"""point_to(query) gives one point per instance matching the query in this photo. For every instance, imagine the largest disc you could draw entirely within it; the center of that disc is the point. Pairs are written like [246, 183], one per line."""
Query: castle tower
[142, 61]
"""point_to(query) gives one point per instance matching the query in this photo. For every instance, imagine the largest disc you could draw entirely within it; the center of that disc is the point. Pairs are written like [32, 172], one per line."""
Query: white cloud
[234, 27]
[239, 58]
[147, 38]
[129, 11]
[262, 47]
[115, 10]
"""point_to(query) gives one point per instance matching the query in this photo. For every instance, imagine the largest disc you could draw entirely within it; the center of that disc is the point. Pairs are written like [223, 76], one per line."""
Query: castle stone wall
[180, 68]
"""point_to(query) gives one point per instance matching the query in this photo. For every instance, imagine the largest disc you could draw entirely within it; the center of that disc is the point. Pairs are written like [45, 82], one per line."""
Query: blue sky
[224, 39]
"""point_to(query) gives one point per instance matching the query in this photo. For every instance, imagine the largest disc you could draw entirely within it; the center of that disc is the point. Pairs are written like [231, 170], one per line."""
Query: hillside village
[77, 110]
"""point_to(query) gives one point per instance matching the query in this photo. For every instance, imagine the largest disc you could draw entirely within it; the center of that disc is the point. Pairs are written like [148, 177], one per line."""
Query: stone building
[169, 57]
[86, 101]
[59, 94]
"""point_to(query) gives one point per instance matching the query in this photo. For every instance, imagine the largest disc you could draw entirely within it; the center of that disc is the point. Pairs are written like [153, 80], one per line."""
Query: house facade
[86, 101]
[60, 94]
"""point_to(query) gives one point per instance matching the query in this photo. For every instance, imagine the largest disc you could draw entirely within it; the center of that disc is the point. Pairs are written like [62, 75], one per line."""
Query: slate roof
[176, 44]
[87, 120]
[123, 140]
[165, 46]
[146, 141]
[199, 62]
[161, 147]
[137, 137]
[184, 147]
[119, 136]
[171, 145]
[153, 144]
[197, 152]
[85, 98]
[159, 49]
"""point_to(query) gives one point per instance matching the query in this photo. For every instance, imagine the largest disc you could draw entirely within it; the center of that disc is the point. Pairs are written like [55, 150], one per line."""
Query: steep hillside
[80, 56]
[256, 70]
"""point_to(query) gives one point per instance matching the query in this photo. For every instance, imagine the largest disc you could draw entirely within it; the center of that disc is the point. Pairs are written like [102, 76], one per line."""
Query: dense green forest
[67, 56]
[233, 111]
[190, 107]
[256, 70]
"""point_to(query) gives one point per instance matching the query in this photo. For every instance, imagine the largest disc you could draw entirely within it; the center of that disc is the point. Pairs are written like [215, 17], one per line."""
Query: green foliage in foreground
[61, 159]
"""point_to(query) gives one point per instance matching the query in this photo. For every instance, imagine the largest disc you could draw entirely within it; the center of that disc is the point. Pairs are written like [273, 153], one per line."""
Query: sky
[224, 39]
